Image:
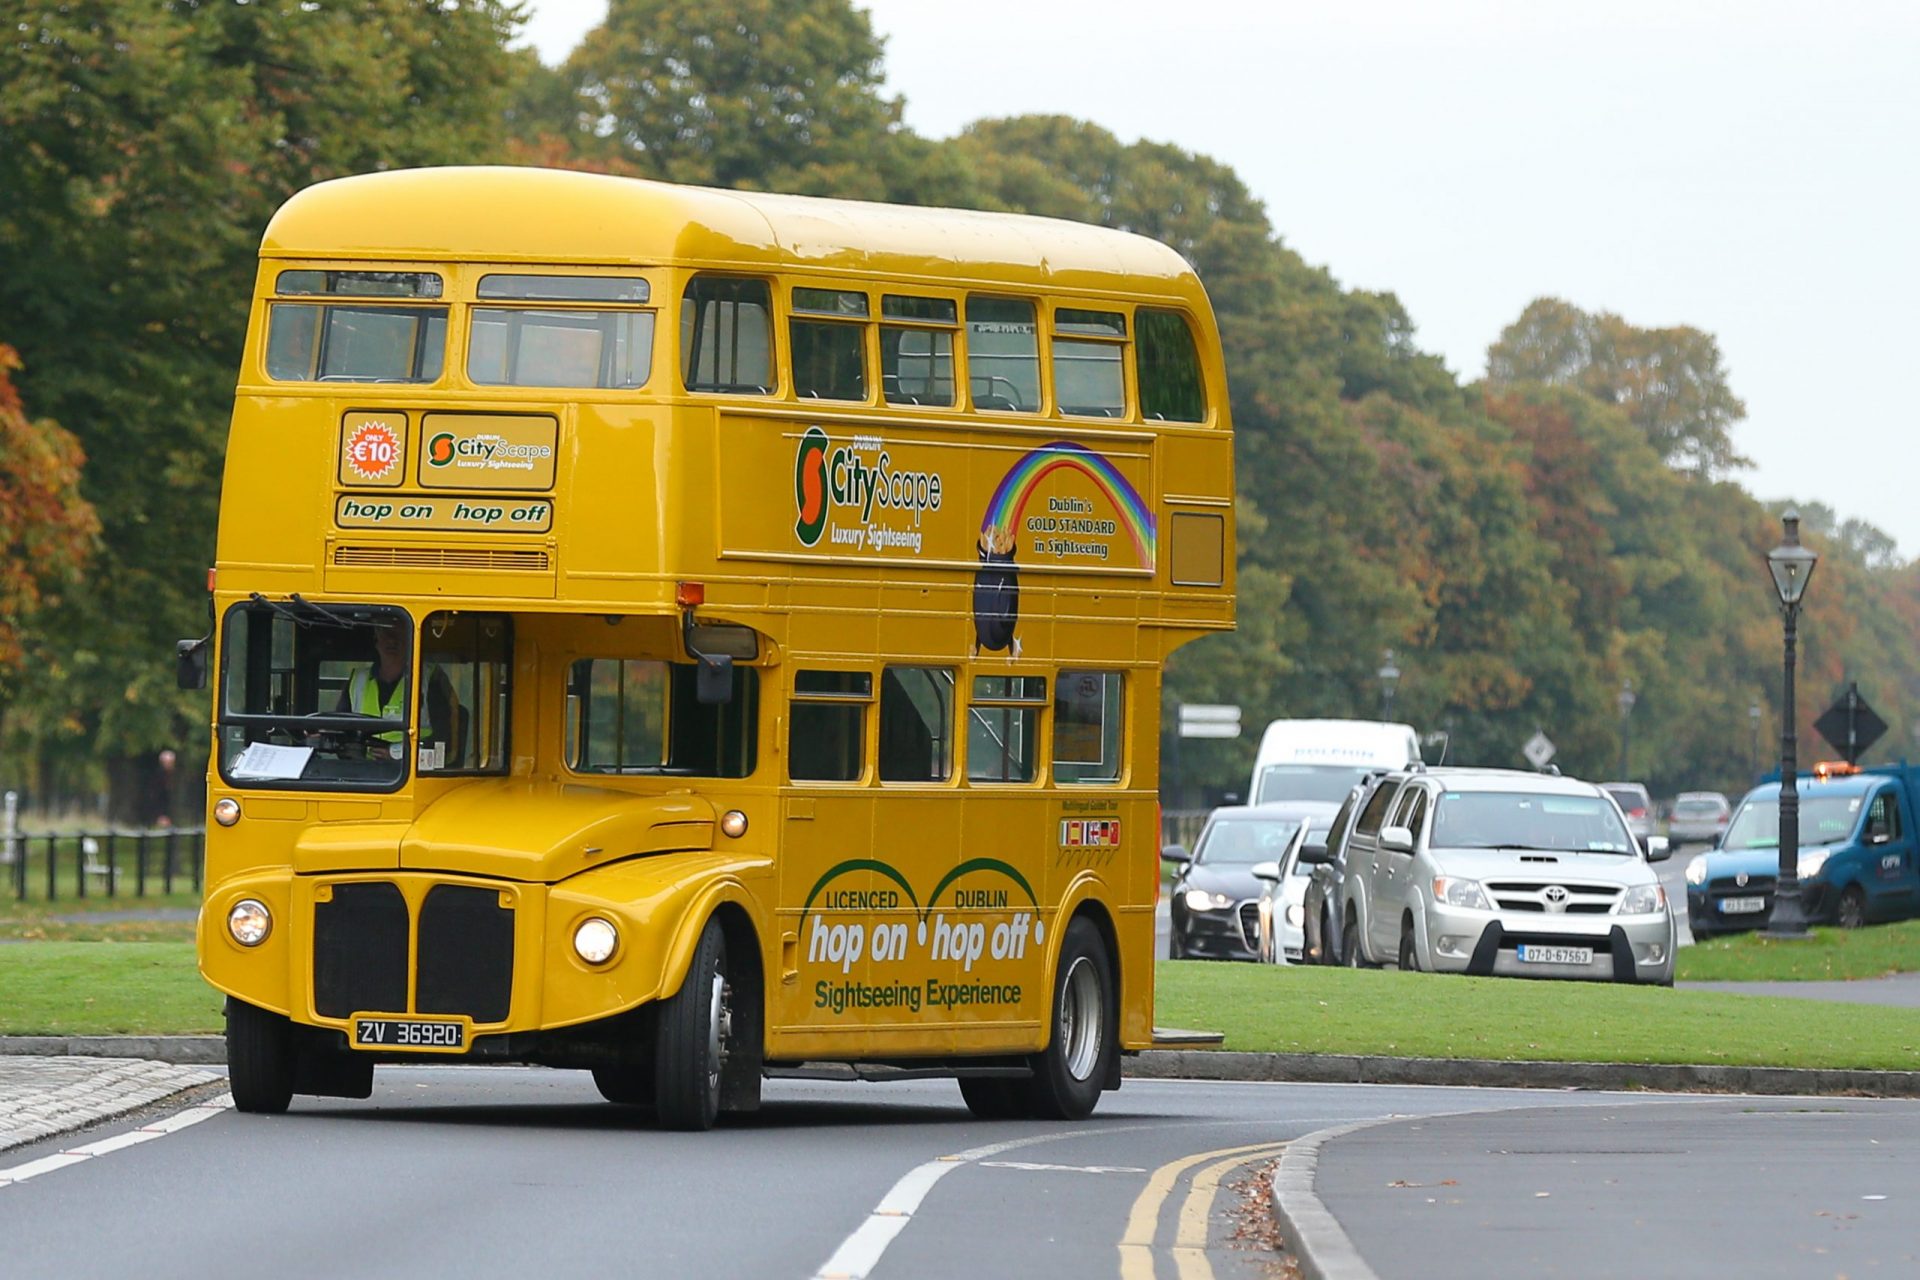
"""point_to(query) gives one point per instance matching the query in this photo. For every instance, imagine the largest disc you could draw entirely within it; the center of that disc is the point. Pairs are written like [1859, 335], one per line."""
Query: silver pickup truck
[1490, 871]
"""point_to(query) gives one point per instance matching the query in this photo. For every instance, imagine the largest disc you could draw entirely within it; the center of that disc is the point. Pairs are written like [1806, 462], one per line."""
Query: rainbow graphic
[1010, 499]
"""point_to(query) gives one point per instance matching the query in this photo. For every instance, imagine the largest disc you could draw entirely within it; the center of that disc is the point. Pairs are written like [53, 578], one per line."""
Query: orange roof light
[210, 572]
[1833, 769]
[690, 595]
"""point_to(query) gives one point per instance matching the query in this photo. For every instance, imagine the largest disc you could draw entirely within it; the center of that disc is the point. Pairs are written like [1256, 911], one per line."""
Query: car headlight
[1641, 900]
[1201, 900]
[1456, 892]
[1295, 913]
[1697, 869]
[1811, 861]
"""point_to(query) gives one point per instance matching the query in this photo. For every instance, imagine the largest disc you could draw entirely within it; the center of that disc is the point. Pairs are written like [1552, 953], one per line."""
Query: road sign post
[1209, 720]
[1538, 750]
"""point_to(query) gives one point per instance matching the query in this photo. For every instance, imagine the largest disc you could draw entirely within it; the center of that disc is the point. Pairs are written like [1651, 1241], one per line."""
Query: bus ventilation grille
[442, 558]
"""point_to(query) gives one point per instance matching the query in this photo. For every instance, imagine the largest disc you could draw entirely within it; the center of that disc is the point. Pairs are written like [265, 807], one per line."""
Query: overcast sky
[1743, 166]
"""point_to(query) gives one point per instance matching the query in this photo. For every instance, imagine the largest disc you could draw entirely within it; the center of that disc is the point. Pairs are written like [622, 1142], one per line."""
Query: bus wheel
[628, 1085]
[1069, 1074]
[259, 1058]
[991, 1098]
[690, 1047]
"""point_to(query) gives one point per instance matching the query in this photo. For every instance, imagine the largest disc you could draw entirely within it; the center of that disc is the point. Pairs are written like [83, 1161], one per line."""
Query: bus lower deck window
[916, 724]
[1086, 727]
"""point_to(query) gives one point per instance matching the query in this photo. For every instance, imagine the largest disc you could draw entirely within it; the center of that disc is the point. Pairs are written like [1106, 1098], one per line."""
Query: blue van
[1857, 845]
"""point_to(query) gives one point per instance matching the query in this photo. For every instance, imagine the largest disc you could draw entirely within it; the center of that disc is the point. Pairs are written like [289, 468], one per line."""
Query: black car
[1215, 906]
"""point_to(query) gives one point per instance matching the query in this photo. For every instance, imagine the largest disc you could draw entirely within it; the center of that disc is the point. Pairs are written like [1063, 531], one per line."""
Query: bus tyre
[990, 1098]
[1069, 1074]
[691, 1043]
[626, 1085]
[259, 1058]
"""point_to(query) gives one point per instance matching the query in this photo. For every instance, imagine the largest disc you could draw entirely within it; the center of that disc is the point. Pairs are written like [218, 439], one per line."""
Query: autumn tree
[46, 528]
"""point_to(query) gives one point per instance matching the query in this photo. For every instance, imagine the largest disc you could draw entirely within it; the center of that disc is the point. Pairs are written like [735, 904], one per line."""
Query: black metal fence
[114, 863]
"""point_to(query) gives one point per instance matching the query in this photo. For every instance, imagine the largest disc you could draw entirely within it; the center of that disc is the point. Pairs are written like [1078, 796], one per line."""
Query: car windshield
[1325, 782]
[1823, 820]
[1245, 841]
[1519, 820]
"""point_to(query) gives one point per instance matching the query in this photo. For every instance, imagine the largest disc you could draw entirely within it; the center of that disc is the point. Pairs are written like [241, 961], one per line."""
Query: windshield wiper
[339, 620]
[280, 609]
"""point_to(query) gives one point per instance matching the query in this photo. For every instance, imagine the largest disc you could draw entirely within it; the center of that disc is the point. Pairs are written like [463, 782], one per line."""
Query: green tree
[147, 146]
[1670, 382]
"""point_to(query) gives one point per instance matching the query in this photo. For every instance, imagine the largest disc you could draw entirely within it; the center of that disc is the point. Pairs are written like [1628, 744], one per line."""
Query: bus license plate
[1532, 954]
[1741, 906]
[408, 1033]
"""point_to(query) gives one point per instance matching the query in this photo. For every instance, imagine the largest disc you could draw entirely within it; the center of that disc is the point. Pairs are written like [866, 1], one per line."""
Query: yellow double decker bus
[693, 635]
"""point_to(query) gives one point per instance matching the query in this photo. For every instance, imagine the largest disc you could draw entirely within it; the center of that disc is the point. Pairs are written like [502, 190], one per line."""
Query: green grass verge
[104, 988]
[1824, 955]
[1319, 1010]
[98, 919]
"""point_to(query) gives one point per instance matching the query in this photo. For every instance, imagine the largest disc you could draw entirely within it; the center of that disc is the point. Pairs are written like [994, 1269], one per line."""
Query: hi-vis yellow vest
[364, 695]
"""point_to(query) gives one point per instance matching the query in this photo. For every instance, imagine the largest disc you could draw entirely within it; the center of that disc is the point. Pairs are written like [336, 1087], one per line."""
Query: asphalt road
[500, 1171]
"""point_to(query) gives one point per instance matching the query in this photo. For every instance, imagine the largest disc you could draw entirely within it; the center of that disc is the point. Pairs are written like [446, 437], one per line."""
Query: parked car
[1636, 804]
[1321, 759]
[1699, 817]
[1324, 906]
[1491, 871]
[1857, 853]
[1215, 903]
[1283, 894]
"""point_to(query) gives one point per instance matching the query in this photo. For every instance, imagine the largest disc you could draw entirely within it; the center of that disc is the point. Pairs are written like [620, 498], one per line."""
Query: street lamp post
[1625, 700]
[1389, 678]
[1791, 566]
[1753, 750]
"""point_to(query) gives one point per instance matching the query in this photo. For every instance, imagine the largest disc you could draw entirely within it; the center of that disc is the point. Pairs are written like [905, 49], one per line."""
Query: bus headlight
[226, 812]
[1697, 869]
[249, 922]
[733, 823]
[595, 939]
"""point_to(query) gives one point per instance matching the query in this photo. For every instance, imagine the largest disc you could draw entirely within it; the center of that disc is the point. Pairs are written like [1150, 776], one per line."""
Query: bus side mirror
[190, 663]
[713, 679]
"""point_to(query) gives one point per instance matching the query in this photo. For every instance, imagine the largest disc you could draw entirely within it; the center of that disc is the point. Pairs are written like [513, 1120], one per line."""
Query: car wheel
[1327, 955]
[1350, 943]
[1852, 911]
[1409, 957]
[1176, 949]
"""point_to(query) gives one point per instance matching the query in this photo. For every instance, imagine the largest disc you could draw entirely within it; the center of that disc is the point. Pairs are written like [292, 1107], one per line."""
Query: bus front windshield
[1823, 820]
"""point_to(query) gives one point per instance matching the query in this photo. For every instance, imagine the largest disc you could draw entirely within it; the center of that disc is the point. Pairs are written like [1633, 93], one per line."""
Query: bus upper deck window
[916, 354]
[829, 356]
[589, 349]
[726, 335]
[1171, 388]
[358, 343]
[1003, 355]
[1088, 375]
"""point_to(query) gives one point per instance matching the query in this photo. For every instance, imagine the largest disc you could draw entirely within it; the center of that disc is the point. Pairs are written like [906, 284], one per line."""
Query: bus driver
[380, 690]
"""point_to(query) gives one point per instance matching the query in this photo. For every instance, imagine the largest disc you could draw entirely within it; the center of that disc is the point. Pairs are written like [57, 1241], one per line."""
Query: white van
[1323, 759]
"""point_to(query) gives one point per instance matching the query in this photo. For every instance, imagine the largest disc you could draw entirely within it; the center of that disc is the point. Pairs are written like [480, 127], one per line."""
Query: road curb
[1310, 1233]
[1221, 1064]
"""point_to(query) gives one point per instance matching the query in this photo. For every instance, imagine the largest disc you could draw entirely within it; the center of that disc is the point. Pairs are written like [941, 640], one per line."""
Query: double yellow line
[1190, 1235]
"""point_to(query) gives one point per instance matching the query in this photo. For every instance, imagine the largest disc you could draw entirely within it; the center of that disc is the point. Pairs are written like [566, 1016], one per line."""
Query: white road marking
[860, 1252]
[1060, 1168]
[119, 1142]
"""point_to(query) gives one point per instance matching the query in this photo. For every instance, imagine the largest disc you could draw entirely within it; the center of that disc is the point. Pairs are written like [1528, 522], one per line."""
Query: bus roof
[506, 214]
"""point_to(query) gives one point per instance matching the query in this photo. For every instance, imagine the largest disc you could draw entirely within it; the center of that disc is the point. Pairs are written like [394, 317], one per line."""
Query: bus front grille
[362, 939]
[466, 953]
[489, 558]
